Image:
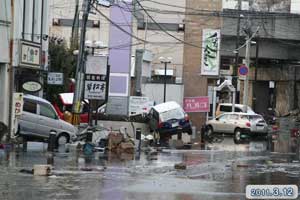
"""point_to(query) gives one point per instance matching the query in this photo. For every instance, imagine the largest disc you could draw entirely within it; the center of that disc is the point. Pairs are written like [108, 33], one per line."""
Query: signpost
[96, 82]
[243, 70]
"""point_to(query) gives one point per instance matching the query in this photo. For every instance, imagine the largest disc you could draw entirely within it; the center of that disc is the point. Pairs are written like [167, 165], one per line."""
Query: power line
[160, 27]
[117, 26]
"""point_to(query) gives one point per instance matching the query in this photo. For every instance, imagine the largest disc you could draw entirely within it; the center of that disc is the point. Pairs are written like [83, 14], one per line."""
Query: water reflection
[210, 175]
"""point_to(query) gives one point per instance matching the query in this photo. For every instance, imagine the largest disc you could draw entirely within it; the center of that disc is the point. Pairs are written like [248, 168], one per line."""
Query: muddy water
[210, 175]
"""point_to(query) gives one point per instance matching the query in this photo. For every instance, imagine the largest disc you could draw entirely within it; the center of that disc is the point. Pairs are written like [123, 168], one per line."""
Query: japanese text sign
[196, 104]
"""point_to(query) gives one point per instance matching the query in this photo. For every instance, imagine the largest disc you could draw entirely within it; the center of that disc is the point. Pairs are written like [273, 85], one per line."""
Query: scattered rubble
[180, 166]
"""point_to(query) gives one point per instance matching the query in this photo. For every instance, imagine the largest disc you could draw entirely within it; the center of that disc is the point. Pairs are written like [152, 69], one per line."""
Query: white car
[227, 107]
[252, 125]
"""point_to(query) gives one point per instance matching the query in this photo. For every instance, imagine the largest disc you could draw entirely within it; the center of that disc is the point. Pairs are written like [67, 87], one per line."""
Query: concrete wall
[286, 28]
[5, 20]
[161, 44]
[155, 92]
[5, 29]
[194, 83]
[65, 9]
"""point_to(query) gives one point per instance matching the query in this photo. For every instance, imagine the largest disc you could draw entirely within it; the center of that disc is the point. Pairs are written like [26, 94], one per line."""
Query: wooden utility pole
[11, 75]
[80, 66]
[75, 28]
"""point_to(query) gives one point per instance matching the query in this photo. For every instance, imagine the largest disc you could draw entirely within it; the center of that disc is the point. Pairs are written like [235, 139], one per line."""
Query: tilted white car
[252, 125]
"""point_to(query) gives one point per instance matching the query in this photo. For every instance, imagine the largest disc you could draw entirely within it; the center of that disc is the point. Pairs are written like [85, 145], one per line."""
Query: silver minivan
[39, 118]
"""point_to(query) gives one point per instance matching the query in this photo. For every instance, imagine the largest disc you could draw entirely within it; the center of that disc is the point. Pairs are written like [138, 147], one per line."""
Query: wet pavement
[219, 173]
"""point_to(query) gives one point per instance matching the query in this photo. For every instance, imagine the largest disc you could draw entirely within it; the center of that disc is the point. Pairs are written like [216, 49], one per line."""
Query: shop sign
[196, 104]
[30, 55]
[18, 104]
[32, 86]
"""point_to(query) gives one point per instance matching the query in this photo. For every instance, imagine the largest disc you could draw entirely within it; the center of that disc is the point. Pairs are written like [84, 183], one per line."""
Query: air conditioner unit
[178, 80]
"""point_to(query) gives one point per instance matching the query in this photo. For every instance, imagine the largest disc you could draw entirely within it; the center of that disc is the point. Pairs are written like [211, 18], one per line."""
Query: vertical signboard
[95, 84]
[120, 59]
[210, 62]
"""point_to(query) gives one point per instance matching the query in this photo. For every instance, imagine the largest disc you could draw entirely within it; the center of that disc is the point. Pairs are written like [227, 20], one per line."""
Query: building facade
[273, 71]
[5, 41]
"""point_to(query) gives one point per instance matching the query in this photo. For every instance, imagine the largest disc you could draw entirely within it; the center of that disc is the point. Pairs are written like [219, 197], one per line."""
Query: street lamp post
[165, 61]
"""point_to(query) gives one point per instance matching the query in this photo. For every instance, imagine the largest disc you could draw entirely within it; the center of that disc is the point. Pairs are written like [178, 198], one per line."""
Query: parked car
[227, 107]
[238, 124]
[169, 118]
[39, 118]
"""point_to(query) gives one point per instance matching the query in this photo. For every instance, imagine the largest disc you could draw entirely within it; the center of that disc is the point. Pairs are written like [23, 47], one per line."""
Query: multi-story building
[274, 30]
[24, 49]
[151, 28]
[5, 32]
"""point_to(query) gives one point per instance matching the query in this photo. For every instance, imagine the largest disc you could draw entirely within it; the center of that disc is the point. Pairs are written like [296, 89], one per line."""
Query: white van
[39, 118]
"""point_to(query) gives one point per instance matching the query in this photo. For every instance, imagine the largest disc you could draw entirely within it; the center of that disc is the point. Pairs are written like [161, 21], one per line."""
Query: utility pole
[80, 65]
[75, 27]
[246, 83]
[11, 120]
[238, 28]
[138, 71]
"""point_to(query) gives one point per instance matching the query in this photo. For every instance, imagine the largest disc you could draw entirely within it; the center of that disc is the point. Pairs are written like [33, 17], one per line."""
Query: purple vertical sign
[120, 58]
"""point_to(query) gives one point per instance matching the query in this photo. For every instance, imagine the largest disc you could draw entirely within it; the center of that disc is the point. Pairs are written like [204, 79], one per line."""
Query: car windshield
[172, 114]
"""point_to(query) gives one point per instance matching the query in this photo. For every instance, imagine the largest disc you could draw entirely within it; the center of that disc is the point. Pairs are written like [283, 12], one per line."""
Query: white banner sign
[55, 78]
[139, 105]
[210, 52]
[95, 90]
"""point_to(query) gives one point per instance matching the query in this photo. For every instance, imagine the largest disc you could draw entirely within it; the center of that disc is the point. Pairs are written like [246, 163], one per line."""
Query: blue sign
[243, 70]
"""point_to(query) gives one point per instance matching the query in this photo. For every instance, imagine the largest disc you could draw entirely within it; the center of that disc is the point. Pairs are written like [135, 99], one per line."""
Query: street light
[165, 61]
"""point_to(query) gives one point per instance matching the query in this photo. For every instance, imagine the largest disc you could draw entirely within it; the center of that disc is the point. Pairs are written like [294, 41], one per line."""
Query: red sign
[196, 104]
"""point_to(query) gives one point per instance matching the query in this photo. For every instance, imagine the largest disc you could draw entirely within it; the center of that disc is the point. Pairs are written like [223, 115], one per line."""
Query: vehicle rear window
[29, 107]
[255, 117]
[172, 114]
[226, 108]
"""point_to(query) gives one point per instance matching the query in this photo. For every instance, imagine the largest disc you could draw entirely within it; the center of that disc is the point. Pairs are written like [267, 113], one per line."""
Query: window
[238, 109]
[29, 106]
[223, 117]
[172, 114]
[47, 111]
[234, 117]
[226, 108]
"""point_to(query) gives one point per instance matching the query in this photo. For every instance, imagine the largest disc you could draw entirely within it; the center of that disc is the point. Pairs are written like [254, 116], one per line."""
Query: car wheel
[237, 136]
[210, 131]
[63, 139]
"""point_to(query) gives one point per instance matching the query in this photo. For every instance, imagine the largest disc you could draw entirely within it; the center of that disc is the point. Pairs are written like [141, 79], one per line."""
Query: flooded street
[219, 173]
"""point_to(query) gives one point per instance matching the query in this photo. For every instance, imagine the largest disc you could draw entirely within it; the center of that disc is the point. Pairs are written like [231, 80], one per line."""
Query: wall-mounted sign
[18, 104]
[32, 86]
[210, 63]
[196, 104]
[30, 55]
[55, 78]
